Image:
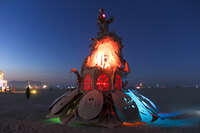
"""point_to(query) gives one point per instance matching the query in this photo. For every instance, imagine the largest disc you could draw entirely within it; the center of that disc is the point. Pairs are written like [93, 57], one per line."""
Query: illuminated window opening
[103, 83]
[118, 82]
[87, 83]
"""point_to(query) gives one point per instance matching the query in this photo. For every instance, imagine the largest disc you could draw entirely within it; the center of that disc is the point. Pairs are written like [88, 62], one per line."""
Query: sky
[44, 39]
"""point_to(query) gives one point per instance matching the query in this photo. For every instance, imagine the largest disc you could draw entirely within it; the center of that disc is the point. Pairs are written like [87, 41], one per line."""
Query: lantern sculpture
[101, 97]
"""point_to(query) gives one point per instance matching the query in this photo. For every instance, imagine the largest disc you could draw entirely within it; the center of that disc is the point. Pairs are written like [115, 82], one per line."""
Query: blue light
[144, 113]
[146, 110]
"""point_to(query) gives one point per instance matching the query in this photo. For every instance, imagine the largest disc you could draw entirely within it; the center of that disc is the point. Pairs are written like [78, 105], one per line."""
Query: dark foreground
[19, 115]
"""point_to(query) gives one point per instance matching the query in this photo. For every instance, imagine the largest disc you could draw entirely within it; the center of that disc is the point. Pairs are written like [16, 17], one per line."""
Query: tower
[3, 83]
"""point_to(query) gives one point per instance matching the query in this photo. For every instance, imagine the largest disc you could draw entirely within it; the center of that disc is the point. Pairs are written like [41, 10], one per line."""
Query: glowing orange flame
[133, 124]
[105, 54]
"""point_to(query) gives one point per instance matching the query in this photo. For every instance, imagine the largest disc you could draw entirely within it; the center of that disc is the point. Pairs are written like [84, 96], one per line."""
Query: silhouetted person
[28, 93]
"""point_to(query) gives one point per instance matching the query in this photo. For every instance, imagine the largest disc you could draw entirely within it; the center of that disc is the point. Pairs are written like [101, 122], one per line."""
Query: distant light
[33, 92]
[138, 87]
[44, 86]
[29, 86]
[35, 87]
[104, 15]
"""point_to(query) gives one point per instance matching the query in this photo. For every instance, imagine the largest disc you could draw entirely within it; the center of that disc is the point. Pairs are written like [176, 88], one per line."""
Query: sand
[19, 115]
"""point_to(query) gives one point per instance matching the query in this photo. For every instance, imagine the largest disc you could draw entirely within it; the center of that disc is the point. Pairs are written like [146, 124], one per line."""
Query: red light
[118, 82]
[104, 15]
[87, 83]
[103, 83]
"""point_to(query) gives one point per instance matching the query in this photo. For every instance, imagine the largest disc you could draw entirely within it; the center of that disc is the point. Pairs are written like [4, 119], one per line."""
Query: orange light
[33, 92]
[105, 54]
[133, 124]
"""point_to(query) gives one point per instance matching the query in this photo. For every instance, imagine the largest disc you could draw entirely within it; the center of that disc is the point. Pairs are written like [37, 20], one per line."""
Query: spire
[103, 24]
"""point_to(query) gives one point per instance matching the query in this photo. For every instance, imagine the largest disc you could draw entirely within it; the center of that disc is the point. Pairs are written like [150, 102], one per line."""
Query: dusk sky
[44, 39]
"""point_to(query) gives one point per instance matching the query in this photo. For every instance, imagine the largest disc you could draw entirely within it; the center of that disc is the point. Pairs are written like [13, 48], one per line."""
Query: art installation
[3, 83]
[102, 98]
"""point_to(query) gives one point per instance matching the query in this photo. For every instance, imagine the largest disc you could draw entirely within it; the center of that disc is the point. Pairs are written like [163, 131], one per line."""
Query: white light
[137, 87]
[44, 86]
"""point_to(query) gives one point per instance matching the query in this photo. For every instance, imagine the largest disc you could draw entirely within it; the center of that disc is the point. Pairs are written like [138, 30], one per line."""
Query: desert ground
[19, 115]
